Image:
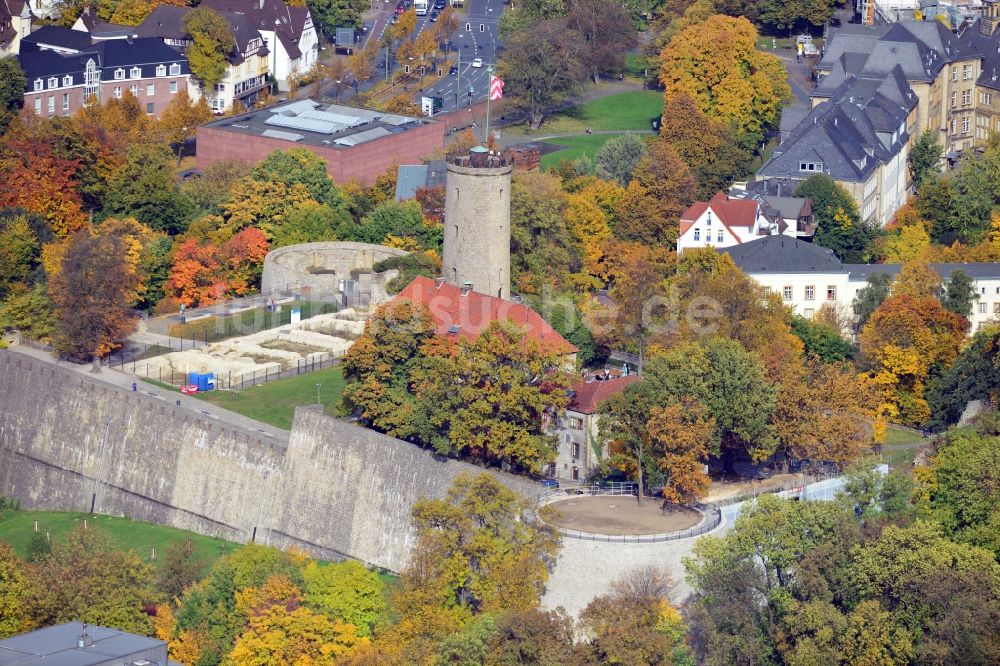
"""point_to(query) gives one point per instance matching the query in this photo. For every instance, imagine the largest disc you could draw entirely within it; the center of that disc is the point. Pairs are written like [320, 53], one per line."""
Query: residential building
[357, 144]
[579, 450]
[15, 24]
[248, 68]
[288, 33]
[727, 220]
[80, 644]
[859, 136]
[60, 84]
[460, 312]
[808, 276]
[54, 38]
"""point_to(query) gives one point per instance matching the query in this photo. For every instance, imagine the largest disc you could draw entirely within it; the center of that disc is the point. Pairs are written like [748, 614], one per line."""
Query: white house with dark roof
[808, 276]
[288, 33]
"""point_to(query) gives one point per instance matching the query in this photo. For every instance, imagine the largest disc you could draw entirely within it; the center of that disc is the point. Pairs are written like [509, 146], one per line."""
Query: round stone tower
[477, 222]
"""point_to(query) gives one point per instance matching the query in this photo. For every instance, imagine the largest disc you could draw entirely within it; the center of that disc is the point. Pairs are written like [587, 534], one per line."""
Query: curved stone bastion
[605, 536]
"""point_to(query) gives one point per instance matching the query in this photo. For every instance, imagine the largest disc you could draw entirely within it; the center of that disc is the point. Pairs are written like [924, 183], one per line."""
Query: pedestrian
[135, 387]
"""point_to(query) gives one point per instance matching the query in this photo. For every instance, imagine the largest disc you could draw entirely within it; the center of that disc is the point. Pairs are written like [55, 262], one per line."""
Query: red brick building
[357, 144]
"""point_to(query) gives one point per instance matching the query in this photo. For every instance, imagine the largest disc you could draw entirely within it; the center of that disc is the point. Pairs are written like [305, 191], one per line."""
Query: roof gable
[589, 394]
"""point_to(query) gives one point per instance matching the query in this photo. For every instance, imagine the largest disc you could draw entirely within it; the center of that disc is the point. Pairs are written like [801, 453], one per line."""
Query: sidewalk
[124, 381]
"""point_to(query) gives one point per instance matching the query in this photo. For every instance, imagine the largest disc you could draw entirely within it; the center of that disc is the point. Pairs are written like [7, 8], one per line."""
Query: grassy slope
[624, 111]
[17, 529]
[275, 402]
[576, 146]
[244, 323]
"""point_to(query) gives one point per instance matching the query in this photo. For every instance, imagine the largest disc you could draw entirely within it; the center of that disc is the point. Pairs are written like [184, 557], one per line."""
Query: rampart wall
[332, 488]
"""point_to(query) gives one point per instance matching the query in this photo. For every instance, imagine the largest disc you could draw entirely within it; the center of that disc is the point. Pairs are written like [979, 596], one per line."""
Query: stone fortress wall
[330, 487]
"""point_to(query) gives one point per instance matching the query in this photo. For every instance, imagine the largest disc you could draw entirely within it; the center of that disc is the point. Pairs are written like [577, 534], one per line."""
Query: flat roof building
[357, 144]
[80, 644]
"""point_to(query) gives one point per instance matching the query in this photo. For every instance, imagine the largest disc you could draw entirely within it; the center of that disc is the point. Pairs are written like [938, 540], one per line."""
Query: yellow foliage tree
[717, 64]
[131, 12]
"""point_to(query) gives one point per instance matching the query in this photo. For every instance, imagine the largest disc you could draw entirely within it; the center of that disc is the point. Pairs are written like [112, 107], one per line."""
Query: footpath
[124, 381]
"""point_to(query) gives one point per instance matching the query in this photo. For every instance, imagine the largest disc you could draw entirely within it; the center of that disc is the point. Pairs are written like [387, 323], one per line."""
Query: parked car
[439, 4]
[434, 17]
[477, 63]
[400, 9]
[550, 483]
[453, 71]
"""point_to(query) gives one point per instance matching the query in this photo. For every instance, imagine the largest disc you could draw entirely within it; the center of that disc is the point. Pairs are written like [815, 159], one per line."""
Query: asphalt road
[480, 41]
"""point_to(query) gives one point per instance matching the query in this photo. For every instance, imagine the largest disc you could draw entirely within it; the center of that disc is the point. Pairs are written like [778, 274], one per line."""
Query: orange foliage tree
[204, 272]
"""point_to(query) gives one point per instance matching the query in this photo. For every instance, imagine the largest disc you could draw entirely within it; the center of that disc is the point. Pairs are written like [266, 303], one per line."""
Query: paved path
[124, 381]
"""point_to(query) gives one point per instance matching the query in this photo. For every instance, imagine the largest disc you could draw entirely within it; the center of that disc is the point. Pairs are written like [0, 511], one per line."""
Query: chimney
[261, 5]
[84, 640]
[466, 288]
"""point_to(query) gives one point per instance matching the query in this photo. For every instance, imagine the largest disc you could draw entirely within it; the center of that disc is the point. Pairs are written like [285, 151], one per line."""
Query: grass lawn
[899, 437]
[17, 529]
[275, 402]
[624, 111]
[576, 146]
[244, 323]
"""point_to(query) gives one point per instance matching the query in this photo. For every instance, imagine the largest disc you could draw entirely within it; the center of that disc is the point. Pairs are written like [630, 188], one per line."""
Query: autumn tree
[181, 568]
[718, 65]
[402, 104]
[265, 205]
[683, 431]
[531, 636]
[606, 32]
[347, 592]
[147, 189]
[14, 593]
[131, 12]
[212, 42]
[180, 120]
[92, 292]
[924, 158]
[661, 189]
[540, 67]
[839, 225]
[204, 272]
[870, 297]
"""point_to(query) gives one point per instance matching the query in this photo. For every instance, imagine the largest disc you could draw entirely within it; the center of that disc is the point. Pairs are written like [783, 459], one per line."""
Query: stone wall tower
[477, 222]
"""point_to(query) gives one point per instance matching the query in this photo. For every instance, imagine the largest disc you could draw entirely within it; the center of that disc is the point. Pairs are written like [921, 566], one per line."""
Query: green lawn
[17, 529]
[899, 437]
[624, 111]
[244, 323]
[275, 402]
[576, 146]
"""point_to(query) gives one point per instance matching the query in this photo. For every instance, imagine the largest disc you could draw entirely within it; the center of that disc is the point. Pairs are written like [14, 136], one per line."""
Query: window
[808, 313]
[39, 84]
[173, 87]
[67, 80]
[65, 101]
[150, 89]
[966, 97]
[810, 293]
[831, 293]
[576, 450]
[175, 70]
[954, 73]
[134, 90]
[986, 98]
[996, 308]
[38, 105]
[965, 125]
[161, 70]
[149, 108]
[953, 126]
[982, 308]
[810, 166]
[575, 422]
[52, 104]
[966, 72]
[719, 237]
[697, 234]
[119, 74]
[135, 73]
[954, 100]
[91, 80]
[118, 92]
[53, 82]
[786, 293]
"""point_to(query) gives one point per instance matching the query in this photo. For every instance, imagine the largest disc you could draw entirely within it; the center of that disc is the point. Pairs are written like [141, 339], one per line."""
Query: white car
[478, 62]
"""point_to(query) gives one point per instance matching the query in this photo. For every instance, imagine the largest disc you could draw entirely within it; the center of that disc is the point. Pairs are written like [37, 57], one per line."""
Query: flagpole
[489, 94]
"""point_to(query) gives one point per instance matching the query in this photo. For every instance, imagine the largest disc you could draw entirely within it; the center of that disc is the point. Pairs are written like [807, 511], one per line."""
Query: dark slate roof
[43, 64]
[787, 207]
[783, 254]
[137, 52]
[57, 646]
[977, 271]
[52, 35]
[269, 15]
[409, 178]
[167, 22]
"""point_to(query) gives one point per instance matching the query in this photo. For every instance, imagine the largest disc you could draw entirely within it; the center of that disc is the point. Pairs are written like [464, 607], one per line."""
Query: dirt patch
[607, 514]
[296, 347]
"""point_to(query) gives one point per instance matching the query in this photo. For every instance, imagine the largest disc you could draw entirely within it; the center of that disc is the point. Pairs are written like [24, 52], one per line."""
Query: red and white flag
[496, 88]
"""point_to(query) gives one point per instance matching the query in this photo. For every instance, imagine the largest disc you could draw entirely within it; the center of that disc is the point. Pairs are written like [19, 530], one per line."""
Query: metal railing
[712, 518]
[234, 381]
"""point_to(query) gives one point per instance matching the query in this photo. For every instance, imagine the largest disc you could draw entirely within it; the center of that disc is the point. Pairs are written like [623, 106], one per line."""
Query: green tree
[542, 250]
[541, 67]
[532, 636]
[940, 202]
[38, 548]
[181, 568]
[309, 223]
[789, 14]
[20, 252]
[839, 226]
[959, 293]
[607, 32]
[471, 645]
[212, 42]
[975, 375]
[402, 220]
[97, 584]
[12, 84]
[821, 340]
[146, 188]
[925, 158]
[348, 592]
[298, 165]
[870, 297]
[618, 157]
[332, 14]
[409, 266]
[29, 311]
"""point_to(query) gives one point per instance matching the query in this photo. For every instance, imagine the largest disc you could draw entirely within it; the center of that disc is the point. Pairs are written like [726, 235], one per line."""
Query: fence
[613, 488]
[238, 380]
[712, 519]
